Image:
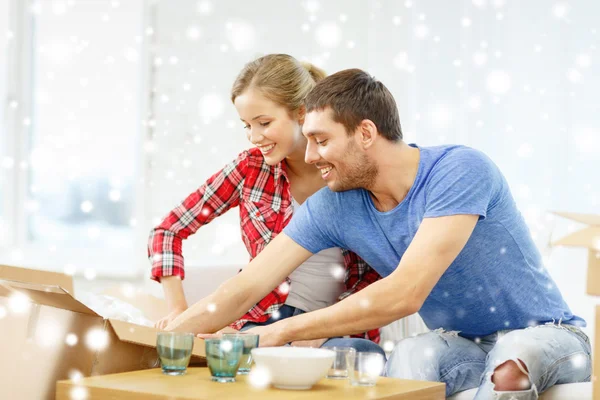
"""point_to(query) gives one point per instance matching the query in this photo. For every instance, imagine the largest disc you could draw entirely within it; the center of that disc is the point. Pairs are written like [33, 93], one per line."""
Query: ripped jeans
[552, 354]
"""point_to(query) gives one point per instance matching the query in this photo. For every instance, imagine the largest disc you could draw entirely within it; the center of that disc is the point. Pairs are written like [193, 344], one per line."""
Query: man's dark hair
[353, 95]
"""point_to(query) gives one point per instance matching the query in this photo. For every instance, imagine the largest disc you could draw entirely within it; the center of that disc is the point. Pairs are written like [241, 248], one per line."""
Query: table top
[152, 384]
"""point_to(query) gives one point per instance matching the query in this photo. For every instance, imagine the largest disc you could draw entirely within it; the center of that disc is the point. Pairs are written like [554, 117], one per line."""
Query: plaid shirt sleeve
[217, 195]
[359, 275]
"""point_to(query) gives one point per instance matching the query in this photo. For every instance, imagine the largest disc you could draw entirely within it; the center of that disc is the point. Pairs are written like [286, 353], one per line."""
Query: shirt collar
[280, 170]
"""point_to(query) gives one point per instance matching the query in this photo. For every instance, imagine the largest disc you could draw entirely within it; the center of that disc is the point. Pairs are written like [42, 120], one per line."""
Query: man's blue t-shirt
[497, 281]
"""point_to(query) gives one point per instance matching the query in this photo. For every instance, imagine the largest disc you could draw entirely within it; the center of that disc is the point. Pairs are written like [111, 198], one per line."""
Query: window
[79, 131]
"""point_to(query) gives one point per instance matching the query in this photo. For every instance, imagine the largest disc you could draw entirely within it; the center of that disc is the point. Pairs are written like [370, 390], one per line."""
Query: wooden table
[196, 384]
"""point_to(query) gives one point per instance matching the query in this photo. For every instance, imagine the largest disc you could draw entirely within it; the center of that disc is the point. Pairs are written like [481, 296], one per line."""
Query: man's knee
[510, 377]
[415, 357]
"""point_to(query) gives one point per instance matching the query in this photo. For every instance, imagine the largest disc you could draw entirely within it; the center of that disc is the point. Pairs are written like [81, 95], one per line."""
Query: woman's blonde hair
[280, 78]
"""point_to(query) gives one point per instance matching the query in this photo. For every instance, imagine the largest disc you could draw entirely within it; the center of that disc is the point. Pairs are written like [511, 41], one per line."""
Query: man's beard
[359, 173]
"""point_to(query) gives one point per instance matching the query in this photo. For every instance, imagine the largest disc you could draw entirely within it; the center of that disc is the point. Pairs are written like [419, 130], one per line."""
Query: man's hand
[309, 343]
[162, 323]
[218, 334]
[269, 335]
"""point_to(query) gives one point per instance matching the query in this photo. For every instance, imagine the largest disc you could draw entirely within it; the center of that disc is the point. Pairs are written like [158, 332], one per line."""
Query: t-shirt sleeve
[312, 223]
[463, 182]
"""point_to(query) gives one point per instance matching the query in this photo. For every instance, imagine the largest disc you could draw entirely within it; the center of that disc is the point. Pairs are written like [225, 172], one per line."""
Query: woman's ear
[301, 114]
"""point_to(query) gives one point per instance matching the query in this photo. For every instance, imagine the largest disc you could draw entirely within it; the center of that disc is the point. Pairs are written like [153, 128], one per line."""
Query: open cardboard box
[588, 237]
[48, 335]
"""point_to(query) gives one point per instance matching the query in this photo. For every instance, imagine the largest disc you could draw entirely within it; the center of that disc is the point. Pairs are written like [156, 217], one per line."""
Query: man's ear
[367, 132]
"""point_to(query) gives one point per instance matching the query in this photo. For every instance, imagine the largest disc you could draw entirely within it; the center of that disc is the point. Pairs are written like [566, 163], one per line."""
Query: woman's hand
[162, 323]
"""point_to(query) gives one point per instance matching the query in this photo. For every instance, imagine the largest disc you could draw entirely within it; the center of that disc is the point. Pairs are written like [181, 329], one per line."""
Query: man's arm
[435, 246]
[237, 295]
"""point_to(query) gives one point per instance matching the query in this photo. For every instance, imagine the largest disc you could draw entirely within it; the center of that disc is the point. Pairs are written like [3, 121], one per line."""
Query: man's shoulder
[458, 157]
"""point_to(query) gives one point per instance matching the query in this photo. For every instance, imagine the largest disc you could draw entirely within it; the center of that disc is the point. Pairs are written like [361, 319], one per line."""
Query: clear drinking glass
[367, 369]
[343, 362]
[250, 342]
[175, 351]
[223, 357]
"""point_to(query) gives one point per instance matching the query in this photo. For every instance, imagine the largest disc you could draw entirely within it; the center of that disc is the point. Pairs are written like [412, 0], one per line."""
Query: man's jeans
[552, 353]
[361, 345]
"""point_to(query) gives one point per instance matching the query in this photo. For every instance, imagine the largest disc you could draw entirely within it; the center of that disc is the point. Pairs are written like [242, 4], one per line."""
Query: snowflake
[479, 58]
[89, 274]
[193, 32]
[579, 361]
[284, 287]
[71, 339]
[79, 393]
[259, 377]
[87, 206]
[584, 60]
[428, 352]
[421, 31]
[75, 375]
[498, 82]
[226, 346]
[204, 7]
[338, 272]
[96, 339]
[388, 346]
[241, 34]
[328, 35]
[18, 303]
[560, 10]
[574, 75]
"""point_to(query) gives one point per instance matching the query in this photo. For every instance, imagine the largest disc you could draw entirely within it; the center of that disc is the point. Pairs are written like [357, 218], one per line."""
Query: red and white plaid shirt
[262, 193]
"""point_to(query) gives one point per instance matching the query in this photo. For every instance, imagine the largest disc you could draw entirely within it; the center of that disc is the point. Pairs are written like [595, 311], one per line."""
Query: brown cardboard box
[54, 337]
[588, 237]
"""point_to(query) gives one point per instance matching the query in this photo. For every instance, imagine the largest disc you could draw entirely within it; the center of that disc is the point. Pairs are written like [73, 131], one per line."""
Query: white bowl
[293, 367]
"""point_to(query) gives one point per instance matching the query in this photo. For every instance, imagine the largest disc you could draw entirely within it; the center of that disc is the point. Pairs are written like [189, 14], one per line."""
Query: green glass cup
[175, 351]
[223, 357]
[250, 342]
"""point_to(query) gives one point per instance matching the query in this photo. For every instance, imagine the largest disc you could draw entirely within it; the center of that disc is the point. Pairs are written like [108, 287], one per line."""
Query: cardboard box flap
[590, 219]
[49, 295]
[21, 274]
[146, 336]
[587, 237]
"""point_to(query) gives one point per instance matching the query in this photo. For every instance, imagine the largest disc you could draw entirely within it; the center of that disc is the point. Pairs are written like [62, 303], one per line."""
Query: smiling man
[439, 224]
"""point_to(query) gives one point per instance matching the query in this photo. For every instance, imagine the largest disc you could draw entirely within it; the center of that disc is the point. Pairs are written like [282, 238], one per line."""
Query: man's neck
[397, 169]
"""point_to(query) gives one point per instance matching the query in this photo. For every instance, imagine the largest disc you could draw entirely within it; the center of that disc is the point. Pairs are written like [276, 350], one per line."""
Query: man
[439, 224]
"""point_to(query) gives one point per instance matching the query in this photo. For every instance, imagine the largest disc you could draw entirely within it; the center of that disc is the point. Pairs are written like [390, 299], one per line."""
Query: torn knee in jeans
[511, 376]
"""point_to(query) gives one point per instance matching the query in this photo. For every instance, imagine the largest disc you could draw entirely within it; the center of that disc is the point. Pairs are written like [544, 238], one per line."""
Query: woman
[266, 183]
